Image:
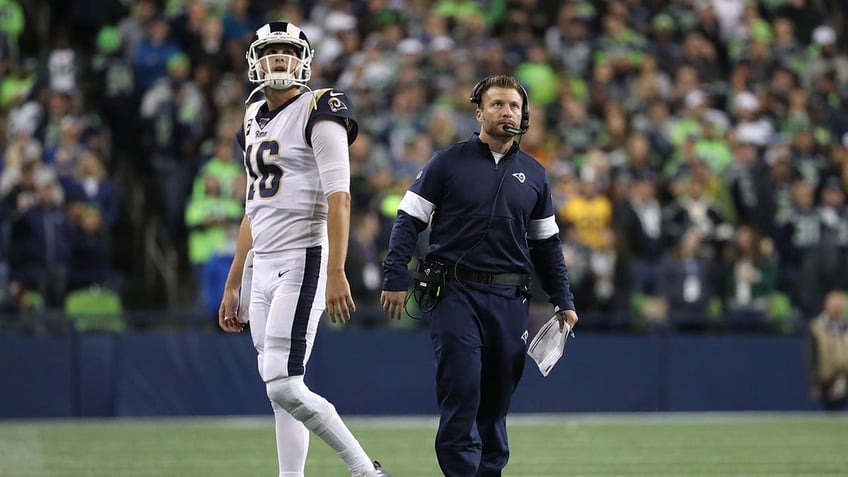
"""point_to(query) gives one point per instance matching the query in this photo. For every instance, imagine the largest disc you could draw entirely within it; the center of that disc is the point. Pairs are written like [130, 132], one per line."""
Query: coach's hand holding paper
[548, 344]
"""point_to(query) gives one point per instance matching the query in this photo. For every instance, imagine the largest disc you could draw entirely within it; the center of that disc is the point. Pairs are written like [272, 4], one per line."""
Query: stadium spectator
[364, 265]
[686, 280]
[16, 299]
[568, 41]
[38, 235]
[174, 111]
[238, 24]
[611, 278]
[90, 251]
[21, 307]
[673, 71]
[132, 28]
[752, 191]
[824, 263]
[11, 27]
[799, 231]
[589, 211]
[826, 353]
[17, 81]
[150, 57]
[826, 58]
[749, 126]
[538, 74]
[637, 220]
[91, 186]
[188, 23]
[62, 64]
[212, 216]
[224, 166]
[64, 156]
[803, 16]
[112, 90]
[696, 208]
[834, 212]
[748, 277]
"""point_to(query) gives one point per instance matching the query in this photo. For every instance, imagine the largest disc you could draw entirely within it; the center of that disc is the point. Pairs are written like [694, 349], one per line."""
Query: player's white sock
[292, 442]
[335, 433]
[320, 417]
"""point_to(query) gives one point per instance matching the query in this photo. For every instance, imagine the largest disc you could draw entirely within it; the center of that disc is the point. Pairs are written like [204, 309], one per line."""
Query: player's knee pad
[294, 397]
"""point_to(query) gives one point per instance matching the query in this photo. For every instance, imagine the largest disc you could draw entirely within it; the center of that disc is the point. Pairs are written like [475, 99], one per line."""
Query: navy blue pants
[479, 339]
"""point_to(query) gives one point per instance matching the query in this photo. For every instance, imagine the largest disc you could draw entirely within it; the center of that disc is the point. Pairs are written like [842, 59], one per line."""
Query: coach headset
[476, 98]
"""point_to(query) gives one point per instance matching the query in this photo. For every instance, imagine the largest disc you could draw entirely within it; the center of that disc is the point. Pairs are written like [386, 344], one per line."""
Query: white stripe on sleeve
[417, 206]
[542, 228]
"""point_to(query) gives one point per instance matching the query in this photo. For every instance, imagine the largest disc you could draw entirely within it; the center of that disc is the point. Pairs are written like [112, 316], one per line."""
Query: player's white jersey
[285, 202]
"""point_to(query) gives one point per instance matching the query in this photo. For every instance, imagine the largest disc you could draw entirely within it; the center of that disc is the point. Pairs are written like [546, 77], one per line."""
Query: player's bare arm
[339, 300]
[229, 301]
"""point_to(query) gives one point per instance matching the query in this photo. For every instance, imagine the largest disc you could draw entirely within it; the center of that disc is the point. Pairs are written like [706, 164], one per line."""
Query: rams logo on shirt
[336, 105]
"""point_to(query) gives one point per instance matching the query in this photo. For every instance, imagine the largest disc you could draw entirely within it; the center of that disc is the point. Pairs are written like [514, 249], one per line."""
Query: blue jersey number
[264, 176]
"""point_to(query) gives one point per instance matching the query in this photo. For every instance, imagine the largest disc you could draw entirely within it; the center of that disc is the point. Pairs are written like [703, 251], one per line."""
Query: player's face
[499, 107]
[279, 59]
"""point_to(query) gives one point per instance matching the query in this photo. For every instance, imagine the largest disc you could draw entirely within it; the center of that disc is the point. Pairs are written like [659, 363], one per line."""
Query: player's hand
[567, 316]
[393, 303]
[227, 319]
[339, 301]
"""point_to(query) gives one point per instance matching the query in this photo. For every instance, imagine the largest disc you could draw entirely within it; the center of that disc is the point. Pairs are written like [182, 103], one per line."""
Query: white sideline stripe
[518, 419]
[523, 419]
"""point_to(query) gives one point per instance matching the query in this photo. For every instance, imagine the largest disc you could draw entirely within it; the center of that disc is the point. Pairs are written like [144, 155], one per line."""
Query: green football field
[545, 445]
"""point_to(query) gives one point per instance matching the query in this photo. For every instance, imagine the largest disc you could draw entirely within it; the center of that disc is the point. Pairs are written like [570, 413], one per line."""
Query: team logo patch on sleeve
[335, 104]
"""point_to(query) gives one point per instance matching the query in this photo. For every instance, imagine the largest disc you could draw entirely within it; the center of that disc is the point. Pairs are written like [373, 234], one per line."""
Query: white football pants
[287, 299]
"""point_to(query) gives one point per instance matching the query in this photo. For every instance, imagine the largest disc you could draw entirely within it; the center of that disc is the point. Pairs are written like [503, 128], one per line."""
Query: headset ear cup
[525, 112]
[475, 92]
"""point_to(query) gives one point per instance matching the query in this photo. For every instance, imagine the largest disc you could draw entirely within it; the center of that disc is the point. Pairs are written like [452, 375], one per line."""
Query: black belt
[505, 279]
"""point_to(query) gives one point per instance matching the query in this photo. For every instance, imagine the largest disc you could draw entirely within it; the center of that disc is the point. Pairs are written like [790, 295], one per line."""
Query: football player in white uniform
[292, 245]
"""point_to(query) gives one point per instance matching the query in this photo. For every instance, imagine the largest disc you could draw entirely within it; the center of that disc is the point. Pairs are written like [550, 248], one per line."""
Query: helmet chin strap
[266, 83]
[279, 83]
[273, 83]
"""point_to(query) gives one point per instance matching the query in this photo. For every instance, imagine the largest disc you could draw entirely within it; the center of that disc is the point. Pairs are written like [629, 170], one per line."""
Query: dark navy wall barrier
[735, 373]
[37, 377]
[97, 375]
[188, 374]
[386, 372]
[597, 373]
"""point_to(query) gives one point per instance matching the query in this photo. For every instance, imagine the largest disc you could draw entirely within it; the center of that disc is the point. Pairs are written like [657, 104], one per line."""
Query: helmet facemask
[297, 69]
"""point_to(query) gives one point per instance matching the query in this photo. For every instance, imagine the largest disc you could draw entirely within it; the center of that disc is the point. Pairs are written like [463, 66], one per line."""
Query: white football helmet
[279, 33]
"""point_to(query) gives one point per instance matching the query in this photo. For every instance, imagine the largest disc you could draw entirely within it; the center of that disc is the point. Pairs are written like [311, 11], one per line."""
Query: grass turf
[771, 445]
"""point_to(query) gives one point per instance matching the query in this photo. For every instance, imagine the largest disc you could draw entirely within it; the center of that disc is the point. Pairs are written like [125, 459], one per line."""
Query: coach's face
[499, 107]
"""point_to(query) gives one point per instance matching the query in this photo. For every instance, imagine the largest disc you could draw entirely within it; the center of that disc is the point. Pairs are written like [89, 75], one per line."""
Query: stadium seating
[95, 309]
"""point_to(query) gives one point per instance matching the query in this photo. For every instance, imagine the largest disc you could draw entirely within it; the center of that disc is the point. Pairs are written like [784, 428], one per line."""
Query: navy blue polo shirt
[486, 216]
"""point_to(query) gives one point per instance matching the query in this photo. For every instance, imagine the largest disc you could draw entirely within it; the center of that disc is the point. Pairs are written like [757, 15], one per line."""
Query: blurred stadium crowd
[698, 149]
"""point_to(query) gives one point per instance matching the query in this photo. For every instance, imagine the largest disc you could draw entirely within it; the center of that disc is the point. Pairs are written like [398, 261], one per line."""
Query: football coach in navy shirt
[492, 222]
